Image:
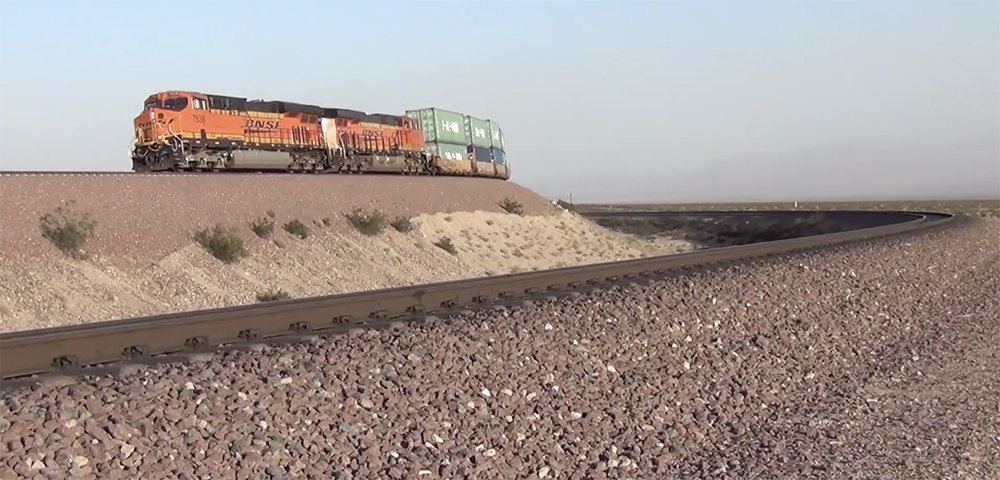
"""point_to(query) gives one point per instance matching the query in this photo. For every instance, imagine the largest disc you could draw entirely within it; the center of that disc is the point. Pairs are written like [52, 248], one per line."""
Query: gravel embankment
[143, 258]
[873, 362]
[147, 217]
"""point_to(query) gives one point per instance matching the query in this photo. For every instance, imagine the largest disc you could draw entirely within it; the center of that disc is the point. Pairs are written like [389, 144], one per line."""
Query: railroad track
[101, 348]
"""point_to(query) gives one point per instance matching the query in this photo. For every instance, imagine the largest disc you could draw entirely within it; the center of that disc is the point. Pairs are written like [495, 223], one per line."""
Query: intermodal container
[477, 132]
[480, 154]
[440, 126]
[496, 135]
[447, 151]
[499, 157]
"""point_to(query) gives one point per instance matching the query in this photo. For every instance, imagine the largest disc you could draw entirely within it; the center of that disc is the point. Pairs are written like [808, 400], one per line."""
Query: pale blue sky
[612, 101]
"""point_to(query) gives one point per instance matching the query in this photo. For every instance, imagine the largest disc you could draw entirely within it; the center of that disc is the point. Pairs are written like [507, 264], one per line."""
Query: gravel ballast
[877, 361]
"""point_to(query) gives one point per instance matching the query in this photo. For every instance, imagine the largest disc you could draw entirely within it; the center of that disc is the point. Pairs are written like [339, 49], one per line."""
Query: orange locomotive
[190, 131]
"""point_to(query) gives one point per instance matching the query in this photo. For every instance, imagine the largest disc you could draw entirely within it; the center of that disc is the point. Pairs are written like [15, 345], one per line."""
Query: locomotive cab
[159, 132]
[159, 114]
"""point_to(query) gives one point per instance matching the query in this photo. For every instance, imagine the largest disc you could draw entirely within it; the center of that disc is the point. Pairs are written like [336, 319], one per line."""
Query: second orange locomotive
[190, 131]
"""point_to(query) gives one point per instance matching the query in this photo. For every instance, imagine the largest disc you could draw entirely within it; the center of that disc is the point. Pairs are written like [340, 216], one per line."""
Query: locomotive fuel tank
[244, 159]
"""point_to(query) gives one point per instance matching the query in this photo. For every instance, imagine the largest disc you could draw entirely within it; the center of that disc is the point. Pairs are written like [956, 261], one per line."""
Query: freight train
[184, 131]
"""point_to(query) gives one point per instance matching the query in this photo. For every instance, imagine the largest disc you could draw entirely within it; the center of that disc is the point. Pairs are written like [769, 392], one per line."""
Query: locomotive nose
[146, 126]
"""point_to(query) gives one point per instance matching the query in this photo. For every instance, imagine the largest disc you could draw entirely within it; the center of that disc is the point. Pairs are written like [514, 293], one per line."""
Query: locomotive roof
[279, 106]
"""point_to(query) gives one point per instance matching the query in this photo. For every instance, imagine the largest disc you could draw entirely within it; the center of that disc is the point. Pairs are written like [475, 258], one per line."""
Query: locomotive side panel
[377, 143]
[193, 131]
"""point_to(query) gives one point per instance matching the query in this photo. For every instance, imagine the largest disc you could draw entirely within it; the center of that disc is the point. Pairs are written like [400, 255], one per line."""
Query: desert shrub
[263, 226]
[446, 245]
[67, 230]
[297, 228]
[511, 206]
[566, 205]
[273, 296]
[370, 224]
[223, 243]
[326, 221]
[402, 224]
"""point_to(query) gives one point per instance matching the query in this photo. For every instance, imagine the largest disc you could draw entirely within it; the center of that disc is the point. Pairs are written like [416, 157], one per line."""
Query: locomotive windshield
[176, 103]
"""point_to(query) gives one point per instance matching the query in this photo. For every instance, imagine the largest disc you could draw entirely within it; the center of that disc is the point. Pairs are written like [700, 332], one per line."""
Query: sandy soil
[143, 265]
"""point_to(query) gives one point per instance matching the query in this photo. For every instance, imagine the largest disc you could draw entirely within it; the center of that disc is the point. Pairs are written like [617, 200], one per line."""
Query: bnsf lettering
[262, 124]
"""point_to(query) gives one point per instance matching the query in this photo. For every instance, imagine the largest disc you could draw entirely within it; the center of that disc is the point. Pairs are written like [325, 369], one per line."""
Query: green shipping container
[447, 151]
[440, 125]
[477, 132]
[496, 135]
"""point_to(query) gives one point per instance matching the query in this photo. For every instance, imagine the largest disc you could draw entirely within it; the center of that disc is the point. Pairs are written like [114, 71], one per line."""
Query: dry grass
[446, 245]
[273, 296]
[263, 226]
[223, 243]
[370, 224]
[512, 206]
[402, 224]
[297, 228]
[68, 230]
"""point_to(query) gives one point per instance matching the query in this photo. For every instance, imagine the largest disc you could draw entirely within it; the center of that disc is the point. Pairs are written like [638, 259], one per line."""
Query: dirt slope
[143, 263]
[150, 216]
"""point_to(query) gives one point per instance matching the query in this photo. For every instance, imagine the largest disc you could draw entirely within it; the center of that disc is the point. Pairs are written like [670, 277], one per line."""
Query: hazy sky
[612, 101]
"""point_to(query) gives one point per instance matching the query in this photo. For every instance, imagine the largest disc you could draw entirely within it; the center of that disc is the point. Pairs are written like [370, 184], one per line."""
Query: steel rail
[67, 349]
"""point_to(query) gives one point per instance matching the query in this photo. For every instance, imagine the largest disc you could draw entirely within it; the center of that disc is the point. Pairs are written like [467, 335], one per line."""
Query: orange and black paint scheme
[183, 131]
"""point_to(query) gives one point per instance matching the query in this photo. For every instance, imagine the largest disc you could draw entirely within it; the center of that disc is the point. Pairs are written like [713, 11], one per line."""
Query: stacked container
[444, 134]
[464, 143]
[477, 141]
[497, 151]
